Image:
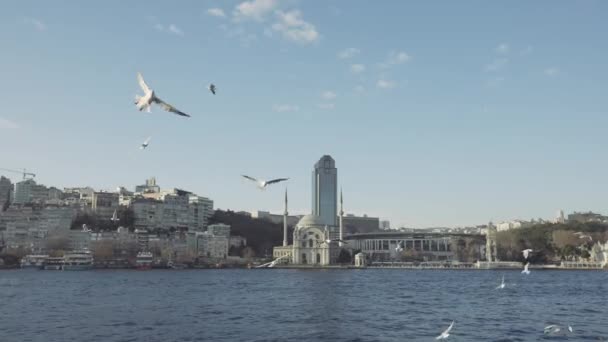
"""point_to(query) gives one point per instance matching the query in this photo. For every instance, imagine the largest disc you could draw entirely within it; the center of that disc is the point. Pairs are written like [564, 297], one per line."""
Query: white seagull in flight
[526, 253]
[145, 144]
[526, 271]
[114, 218]
[399, 247]
[272, 263]
[446, 333]
[146, 101]
[262, 184]
[212, 88]
[502, 284]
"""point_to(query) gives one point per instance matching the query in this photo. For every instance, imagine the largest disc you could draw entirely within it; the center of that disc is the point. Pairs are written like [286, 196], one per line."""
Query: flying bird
[272, 263]
[526, 253]
[114, 218]
[526, 271]
[212, 88]
[444, 335]
[502, 284]
[149, 98]
[399, 247]
[552, 329]
[262, 184]
[145, 144]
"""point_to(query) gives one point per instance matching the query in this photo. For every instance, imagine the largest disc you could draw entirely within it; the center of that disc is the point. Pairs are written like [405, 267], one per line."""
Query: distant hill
[262, 235]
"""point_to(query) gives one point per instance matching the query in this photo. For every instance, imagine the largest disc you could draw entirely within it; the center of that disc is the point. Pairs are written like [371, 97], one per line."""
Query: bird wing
[449, 328]
[169, 108]
[147, 141]
[276, 180]
[142, 83]
[250, 178]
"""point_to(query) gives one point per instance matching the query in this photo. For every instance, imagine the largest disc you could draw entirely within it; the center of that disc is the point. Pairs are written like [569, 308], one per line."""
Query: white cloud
[357, 68]
[216, 12]
[395, 58]
[502, 48]
[280, 108]
[39, 25]
[326, 105]
[159, 27]
[8, 124]
[526, 51]
[385, 84]
[497, 64]
[359, 89]
[553, 71]
[348, 53]
[294, 28]
[175, 30]
[328, 95]
[254, 9]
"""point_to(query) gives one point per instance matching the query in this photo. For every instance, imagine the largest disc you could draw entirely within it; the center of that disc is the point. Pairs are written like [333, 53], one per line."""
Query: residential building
[515, 224]
[208, 245]
[148, 213]
[104, 204]
[325, 191]
[219, 229]
[6, 189]
[385, 225]
[149, 187]
[586, 217]
[360, 224]
[27, 191]
[201, 210]
[292, 220]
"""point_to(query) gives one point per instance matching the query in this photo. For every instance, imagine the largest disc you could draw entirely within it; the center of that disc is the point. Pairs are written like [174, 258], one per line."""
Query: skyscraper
[325, 190]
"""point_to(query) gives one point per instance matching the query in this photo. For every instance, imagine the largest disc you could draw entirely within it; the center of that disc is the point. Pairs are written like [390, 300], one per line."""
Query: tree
[344, 257]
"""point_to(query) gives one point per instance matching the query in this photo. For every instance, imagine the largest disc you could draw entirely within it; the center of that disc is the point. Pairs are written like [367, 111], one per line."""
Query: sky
[437, 113]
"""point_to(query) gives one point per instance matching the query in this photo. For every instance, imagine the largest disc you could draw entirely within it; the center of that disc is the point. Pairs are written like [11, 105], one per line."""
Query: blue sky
[437, 113]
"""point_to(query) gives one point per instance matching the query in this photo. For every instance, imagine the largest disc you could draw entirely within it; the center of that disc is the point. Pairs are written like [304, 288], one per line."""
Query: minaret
[285, 213]
[341, 218]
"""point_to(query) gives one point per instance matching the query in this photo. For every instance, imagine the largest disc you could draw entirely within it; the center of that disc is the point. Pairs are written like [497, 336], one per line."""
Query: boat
[33, 261]
[175, 266]
[144, 260]
[78, 261]
[53, 264]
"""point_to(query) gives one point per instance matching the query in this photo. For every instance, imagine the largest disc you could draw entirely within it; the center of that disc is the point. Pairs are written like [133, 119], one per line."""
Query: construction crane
[23, 172]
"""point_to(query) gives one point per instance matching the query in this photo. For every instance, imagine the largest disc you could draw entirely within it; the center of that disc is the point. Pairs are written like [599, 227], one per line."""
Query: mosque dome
[310, 220]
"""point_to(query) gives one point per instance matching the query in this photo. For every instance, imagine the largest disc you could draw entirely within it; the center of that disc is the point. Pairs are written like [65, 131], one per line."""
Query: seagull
[145, 143]
[526, 253]
[146, 101]
[502, 284]
[262, 184]
[329, 241]
[114, 217]
[585, 237]
[212, 88]
[399, 247]
[272, 263]
[526, 271]
[552, 329]
[570, 328]
[444, 335]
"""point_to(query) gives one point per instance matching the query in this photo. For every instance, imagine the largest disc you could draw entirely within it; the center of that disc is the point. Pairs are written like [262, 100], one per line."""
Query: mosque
[313, 234]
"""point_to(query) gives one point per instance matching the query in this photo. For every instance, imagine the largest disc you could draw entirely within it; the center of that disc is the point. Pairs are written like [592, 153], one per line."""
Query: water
[299, 305]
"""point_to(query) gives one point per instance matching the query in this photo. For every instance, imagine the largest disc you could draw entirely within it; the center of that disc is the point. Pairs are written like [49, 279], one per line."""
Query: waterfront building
[148, 213]
[79, 240]
[175, 210]
[382, 246]
[209, 245]
[219, 229]
[6, 190]
[325, 190]
[385, 225]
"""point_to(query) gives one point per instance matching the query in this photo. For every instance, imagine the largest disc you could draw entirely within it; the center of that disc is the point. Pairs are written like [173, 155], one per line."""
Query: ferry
[53, 264]
[144, 261]
[33, 261]
[78, 261]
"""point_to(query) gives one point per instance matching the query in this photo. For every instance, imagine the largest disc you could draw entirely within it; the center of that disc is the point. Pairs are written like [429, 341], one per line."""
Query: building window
[304, 258]
[318, 258]
[304, 244]
[310, 243]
